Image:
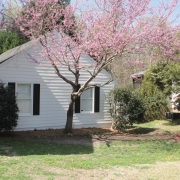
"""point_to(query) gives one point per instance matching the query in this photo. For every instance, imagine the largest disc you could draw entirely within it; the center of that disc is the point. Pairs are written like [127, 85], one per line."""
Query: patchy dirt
[89, 136]
[158, 171]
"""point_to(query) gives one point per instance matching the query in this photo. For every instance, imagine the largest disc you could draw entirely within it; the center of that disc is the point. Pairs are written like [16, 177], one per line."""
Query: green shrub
[8, 109]
[126, 107]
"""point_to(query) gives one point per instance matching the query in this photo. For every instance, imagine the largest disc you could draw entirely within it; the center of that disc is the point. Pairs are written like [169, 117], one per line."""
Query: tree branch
[61, 76]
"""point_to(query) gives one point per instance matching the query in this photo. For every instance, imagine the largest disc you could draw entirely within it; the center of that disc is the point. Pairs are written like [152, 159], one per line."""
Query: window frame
[92, 110]
[31, 99]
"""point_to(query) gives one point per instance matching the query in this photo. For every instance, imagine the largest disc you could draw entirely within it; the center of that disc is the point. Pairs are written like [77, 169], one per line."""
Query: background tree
[155, 101]
[53, 8]
[163, 76]
[159, 82]
[10, 35]
[8, 12]
[111, 29]
[122, 69]
[9, 40]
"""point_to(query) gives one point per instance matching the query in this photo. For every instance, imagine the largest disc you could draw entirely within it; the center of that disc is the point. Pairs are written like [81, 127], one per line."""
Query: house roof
[12, 52]
[138, 75]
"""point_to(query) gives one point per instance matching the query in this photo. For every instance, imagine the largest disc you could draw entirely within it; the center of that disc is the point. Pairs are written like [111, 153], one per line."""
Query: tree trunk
[68, 127]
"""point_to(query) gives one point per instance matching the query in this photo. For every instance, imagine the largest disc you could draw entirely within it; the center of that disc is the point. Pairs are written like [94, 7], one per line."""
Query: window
[28, 97]
[24, 98]
[87, 100]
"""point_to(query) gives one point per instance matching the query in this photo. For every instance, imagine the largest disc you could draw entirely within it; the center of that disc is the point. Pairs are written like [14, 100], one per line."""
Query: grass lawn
[22, 159]
[164, 125]
[25, 160]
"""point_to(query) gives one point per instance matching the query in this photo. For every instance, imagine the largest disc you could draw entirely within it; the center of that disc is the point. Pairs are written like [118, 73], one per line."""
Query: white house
[43, 97]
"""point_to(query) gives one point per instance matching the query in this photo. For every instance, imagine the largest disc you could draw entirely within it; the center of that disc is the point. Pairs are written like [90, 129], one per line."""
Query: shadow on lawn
[140, 130]
[174, 122]
[18, 146]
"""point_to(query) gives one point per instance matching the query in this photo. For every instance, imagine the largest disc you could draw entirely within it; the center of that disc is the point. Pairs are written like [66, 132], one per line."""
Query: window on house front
[28, 98]
[24, 98]
[87, 102]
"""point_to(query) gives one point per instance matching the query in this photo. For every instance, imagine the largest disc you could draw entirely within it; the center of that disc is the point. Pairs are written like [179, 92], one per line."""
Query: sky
[176, 11]
[152, 3]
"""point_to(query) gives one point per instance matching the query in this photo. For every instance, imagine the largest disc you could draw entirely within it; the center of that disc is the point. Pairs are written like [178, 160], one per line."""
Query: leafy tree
[9, 40]
[171, 78]
[159, 82]
[155, 87]
[10, 36]
[110, 30]
[8, 109]
[164, 77]
[155, 102]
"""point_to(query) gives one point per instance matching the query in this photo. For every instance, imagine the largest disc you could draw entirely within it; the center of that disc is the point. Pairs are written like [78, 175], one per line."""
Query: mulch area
[86, 136]
[56, 133]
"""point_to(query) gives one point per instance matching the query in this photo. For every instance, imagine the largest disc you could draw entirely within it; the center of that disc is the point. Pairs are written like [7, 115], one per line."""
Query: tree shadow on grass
[12, 145]
[26, 148]
[174, 122]
[140, 130]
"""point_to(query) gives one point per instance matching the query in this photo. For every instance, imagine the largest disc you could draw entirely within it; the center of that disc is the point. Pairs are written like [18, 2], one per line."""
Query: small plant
[8, 108]
[126, 107]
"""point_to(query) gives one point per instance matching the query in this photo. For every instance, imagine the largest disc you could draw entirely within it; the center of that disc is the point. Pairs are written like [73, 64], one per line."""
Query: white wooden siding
[54, 94]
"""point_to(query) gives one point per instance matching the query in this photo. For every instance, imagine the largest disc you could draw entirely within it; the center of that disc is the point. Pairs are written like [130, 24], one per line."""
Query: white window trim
[88, 112]
[31, 109]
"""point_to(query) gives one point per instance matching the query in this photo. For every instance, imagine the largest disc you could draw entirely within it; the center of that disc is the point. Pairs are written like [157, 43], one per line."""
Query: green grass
[163, 125]
[21, 159]
[25, 159]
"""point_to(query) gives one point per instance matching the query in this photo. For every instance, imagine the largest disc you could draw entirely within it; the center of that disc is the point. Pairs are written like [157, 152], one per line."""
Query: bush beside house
[8, 108]
[126, 107]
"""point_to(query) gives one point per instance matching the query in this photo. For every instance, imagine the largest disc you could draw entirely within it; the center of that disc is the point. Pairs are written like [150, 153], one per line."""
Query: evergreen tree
[10, 39]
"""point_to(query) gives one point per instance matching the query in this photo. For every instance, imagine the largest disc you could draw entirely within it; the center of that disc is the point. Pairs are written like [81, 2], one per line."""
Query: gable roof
[12, 52]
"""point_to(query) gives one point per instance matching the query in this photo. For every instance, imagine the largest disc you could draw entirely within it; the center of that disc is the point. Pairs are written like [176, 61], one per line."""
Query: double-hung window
[87, 100]
[28, 98]
[24, 98]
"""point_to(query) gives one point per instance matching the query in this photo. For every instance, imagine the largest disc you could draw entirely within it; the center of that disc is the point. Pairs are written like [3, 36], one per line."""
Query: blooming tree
[7, 12]
[109, 30]
[2, 15]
